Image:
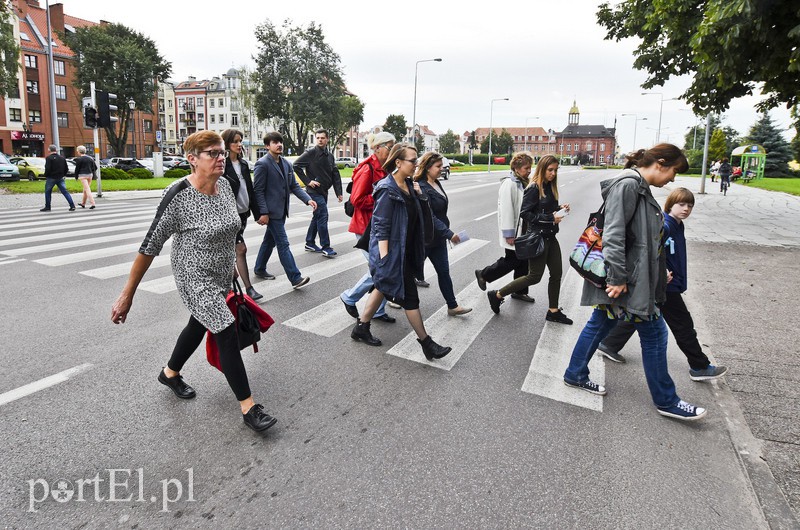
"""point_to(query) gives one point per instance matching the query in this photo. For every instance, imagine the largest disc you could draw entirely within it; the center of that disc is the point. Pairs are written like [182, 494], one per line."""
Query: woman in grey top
[200, 212]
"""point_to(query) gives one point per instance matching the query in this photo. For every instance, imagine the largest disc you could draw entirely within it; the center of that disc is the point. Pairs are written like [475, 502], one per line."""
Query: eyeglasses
[412, 160]
[216, 153]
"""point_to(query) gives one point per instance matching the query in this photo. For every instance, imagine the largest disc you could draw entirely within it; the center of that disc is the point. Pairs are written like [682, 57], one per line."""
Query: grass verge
[787, 185]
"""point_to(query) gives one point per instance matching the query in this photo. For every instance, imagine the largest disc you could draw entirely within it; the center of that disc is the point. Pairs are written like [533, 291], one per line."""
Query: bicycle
[723, 185]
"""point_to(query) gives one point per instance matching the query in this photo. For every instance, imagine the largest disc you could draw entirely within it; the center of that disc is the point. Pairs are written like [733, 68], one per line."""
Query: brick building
[586, 144]
[536, 140]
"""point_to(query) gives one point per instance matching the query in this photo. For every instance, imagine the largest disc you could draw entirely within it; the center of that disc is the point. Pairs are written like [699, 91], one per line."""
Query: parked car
[147, 162]
[346, 162]
[126, 164]
[445, 168]
[31, 168]
[8, 170]
[183, 165]
[172, 161]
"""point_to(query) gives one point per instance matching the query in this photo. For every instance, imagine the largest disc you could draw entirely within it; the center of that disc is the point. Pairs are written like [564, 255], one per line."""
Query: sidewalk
[31, 200]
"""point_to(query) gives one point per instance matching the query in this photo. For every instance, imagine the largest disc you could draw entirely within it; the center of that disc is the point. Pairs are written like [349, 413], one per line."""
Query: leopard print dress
[204, 229]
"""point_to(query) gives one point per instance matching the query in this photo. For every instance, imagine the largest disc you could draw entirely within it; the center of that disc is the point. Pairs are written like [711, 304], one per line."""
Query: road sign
[158, 136]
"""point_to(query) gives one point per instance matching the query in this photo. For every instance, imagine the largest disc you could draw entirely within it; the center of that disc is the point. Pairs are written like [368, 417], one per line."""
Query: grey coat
[631, 246]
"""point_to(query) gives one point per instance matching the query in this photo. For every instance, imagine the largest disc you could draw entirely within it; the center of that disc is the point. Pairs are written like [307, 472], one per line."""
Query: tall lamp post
[491, 112]
[414, 111]
[660, 111]
[526, 130]
[132, 105]
[636, 119]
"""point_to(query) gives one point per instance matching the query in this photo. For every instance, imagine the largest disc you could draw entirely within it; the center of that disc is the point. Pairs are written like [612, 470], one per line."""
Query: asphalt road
[365, 436]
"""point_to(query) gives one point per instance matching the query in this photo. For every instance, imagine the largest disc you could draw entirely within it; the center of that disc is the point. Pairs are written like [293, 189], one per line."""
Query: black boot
[361, 332]
[433, 350]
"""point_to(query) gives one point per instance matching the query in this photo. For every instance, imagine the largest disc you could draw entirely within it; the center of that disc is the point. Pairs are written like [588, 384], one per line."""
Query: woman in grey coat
[636, 277]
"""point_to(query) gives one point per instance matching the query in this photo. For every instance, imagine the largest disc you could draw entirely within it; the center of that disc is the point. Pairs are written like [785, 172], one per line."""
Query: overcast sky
[538, 54]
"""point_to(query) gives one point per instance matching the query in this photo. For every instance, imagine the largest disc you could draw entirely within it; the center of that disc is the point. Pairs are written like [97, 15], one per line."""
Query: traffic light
[105, 107]
[90, 117]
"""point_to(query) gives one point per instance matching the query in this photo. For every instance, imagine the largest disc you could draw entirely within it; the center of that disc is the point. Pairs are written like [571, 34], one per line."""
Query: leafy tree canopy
[9, 52]
[764, 132]
[795, 143]
[347, 114]
[448, 142]
[299, 80]
[396, 124]
[717, 147]
[121, 61]
[732, 140]
[502, 143]
[727, 46]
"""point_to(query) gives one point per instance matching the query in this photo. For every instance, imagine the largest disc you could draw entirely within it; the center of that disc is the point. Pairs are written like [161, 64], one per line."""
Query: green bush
[140, 173]
[112, 173]
[176, 173]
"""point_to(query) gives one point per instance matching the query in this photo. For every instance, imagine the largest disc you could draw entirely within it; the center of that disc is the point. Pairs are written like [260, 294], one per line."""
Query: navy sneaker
[708, 374]
[311, 247]
[683, 411]
[327, 252]
[588, 386]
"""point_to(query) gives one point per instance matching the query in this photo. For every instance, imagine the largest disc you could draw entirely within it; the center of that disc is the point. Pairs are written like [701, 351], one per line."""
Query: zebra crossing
[84, 239]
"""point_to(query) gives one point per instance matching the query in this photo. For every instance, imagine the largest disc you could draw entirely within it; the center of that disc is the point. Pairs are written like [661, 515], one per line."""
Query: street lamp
[414, 112]
[636, 119]
[132, 105]
[660, 110]
[491, 111]
[526, 130]
[658, 132]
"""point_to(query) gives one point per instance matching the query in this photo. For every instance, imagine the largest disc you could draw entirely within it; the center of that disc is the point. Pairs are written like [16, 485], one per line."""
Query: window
[234, 119]
[63, 119]
[171, 134]
[169, 103]
[35, 116]
[261, 152]
[30, 61]
[171, 120]
[24, 36]
[32, 86]
[588, 146]
[148, 125]
[13, 90]
[61, 92]
[15, 114]
[211, 102]
[222, 118]
[213, 118]
[199, 101]
[58, 66]
[201, 117]
[602, 147]
[569, 147]
[221, 102]
[182, 117]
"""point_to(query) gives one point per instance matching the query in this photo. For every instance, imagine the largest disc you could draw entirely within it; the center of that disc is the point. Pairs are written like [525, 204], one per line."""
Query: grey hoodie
[631, 246]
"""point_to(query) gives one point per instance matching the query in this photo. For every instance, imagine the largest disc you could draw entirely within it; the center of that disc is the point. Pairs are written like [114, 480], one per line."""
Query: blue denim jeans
[653, 338]
[276, 236]
[438, 256]
[362, 287]
[48, 190]
[319, 221]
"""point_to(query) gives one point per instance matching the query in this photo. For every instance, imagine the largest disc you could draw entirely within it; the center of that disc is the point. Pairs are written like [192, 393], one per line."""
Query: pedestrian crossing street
[88, 241]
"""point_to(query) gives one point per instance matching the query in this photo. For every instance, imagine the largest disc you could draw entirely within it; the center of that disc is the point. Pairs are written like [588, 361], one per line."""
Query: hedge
[140, 173]
[112, 173]
[176, 173]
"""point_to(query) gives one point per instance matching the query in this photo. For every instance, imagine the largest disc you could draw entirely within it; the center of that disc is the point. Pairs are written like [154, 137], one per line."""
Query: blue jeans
[438, 256]
[319, 221]
[362, 287]
[653, 338]
[276, 236]
[48, 190]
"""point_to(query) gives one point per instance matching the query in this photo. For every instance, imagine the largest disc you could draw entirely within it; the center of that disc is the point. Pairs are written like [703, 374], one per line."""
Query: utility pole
[96, 143]
[705, 157]
[52, 83]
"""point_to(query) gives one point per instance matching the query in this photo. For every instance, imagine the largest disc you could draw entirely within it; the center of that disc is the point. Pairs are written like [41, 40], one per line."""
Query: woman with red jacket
[365, 175]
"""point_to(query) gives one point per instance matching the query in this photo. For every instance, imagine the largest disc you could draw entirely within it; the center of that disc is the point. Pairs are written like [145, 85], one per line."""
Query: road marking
[38, 249]
[8, 261]
[75, 233]
[550, 359]
[41, 384]
[330, 318]
[482, 217]
[72, 219]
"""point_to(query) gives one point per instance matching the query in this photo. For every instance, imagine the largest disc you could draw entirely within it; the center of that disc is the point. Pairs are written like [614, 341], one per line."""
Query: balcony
[188, 106]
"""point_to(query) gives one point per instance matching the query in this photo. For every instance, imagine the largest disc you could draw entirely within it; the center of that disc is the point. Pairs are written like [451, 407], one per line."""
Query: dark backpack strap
[165, 200]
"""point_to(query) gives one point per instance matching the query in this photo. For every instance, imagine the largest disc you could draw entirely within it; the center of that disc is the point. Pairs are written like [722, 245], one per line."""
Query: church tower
[574, 114]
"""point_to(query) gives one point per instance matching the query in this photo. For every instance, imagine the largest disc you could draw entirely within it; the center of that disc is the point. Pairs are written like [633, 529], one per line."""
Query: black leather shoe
[45, 210]
[523, 298]
[421, 283]
[386, 318]
[433, 350]
[558, 317]
[362, 333]
[494, 302]
[481, 281]
[257, 419]
[177, 385]
[352, 310]
[264, 275]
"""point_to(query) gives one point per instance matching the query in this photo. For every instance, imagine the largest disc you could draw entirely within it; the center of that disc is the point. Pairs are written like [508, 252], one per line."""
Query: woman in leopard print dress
[199, 213]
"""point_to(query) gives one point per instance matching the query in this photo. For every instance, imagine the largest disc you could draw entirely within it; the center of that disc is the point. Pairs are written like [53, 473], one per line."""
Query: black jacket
[538, 212]
[319, 164]
[231, 176]
[55, 167]
[438, 204]
[84, 165]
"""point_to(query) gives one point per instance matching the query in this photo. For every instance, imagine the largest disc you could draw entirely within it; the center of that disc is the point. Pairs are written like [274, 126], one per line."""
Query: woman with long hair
[84, 171]
[538, 212]
[397, 249]
[237, 172]
[427, 175]
[636, 277]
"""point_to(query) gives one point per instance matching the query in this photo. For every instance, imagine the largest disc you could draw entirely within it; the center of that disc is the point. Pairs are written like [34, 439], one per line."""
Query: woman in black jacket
[237, 173]
[427, 174]
[538, 212]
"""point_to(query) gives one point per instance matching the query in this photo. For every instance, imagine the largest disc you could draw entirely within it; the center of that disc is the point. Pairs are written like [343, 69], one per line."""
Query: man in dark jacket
[55, 169]
[317, 169]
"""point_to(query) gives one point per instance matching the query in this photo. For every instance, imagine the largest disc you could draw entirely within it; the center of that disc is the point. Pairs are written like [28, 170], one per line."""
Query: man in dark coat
[55, 169]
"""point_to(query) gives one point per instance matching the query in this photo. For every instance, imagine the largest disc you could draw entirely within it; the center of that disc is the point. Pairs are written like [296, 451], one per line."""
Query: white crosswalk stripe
[24, 227]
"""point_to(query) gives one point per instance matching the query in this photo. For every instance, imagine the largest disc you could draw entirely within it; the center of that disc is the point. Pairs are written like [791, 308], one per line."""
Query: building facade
[586, 144]
[167, 117]
[536, 140]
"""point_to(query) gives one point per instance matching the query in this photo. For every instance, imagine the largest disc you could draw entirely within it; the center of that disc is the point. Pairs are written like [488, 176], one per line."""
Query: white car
[346, 162]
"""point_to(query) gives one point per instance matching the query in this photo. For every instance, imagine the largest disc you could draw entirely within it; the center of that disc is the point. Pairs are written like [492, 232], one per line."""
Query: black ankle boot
[362, 333]
[433, 350]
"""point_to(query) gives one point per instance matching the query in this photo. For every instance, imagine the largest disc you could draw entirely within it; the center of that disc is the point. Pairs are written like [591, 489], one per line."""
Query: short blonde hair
[81, 149]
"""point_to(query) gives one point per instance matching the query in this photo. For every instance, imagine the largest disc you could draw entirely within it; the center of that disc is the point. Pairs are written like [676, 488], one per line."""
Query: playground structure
[753, 159]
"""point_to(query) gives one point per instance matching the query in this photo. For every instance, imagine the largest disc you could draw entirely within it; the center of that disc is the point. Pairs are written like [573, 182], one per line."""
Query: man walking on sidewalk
[274, 180]
[55, 169]
[317, 169]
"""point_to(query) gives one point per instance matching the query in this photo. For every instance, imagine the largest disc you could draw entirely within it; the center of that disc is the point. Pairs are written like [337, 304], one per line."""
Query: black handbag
[247, 328]
[529, 245]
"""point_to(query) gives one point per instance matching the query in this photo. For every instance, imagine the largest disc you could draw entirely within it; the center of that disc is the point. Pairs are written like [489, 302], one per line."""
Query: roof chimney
[57, 17]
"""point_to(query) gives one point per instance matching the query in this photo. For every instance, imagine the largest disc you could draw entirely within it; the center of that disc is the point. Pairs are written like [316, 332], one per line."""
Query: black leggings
[229, 356]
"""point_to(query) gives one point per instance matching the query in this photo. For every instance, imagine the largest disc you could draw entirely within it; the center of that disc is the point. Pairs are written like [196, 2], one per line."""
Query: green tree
[396, 124]
[472, 141]
[448, 142]
[419, 142]
[121, 61]
[247, 99]
[299, 80]
[9, 52]
[795, 143]
[732, 139]
[348, 113]
[502, 143]
[729, 48]
[764, 132]
[717, 147]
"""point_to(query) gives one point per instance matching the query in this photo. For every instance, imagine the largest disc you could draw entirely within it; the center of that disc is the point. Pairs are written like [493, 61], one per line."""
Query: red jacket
[365, 175]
